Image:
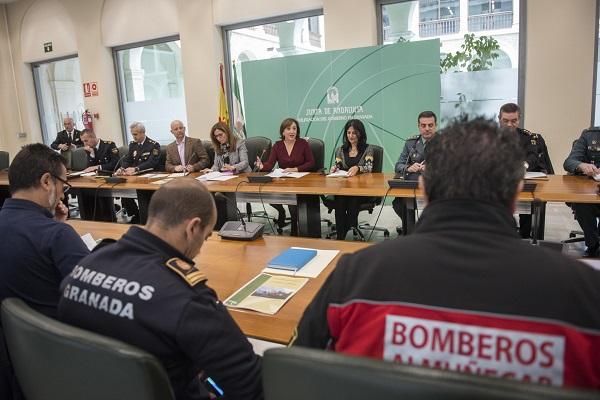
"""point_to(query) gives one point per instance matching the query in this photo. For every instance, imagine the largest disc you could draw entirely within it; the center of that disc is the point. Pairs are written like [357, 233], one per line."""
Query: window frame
[38, 89]
[119, 76]
[522, 42]
[595, 65]
[248, 24]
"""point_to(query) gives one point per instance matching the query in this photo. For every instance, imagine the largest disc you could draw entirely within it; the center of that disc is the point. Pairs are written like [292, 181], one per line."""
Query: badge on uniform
[593, 142]
[186, 270]
[155, 152]
[533, 142]
[134, 153]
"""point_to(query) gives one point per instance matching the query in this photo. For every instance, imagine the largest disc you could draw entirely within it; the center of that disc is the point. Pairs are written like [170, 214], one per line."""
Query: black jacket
[143, 156]
[536, 152]
[62, 137]
[144, 292]
[464, 269]
[106, 156]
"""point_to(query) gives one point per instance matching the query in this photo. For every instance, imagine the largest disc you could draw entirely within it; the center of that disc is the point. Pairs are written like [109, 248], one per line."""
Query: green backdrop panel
[384, 86]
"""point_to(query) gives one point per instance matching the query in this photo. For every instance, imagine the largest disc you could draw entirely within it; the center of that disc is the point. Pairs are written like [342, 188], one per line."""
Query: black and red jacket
[464, 293]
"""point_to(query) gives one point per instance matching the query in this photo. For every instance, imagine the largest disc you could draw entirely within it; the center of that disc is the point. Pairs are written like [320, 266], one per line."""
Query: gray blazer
[238, 158]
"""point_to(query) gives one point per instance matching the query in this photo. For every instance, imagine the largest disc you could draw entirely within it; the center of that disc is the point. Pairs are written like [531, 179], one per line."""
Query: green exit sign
[47, 47]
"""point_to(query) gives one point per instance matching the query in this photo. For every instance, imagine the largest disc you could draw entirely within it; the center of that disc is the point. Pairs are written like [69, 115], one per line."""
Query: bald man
[160, 301]
[67, 138]
[185, 154]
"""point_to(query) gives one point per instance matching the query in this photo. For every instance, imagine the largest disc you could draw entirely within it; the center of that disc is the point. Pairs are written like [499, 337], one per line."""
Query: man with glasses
[37, 248]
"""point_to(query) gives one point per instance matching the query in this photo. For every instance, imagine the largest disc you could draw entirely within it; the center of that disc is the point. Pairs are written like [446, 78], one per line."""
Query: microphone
[255, 169]
[117, 179]
[221, 196]
[411, 151]
[185, 171]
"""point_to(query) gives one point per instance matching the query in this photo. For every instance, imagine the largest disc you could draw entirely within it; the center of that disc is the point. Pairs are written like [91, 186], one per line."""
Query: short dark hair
[474, 160]
[286, 123]
[33, 161]
[509, 108]
[88, 132]
[181, 200]
[427, 114]
[362, 135]
[231, 139]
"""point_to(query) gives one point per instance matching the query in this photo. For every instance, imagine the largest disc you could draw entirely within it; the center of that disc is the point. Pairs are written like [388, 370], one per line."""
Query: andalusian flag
[238, 110]
[223, 111]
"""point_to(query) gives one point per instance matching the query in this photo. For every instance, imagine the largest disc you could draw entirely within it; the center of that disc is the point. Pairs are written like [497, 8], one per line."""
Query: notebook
[292, 259]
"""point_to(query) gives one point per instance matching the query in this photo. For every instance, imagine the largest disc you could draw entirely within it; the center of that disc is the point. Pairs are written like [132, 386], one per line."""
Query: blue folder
[292, 259]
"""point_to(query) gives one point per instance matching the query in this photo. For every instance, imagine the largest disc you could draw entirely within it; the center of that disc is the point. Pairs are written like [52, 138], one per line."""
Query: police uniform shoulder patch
[132, 142]
[155, 152]
[187, 271]
[414, 137]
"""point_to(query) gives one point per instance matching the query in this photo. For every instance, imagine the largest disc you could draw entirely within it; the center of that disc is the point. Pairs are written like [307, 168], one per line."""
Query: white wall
[558, 75]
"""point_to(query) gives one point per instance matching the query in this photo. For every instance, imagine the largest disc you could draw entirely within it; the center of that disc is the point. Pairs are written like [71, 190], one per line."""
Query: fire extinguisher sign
[90, 89]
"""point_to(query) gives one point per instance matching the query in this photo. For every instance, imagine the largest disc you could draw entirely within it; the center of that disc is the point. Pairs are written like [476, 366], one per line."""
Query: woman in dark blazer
[293, 154]
[356, 157]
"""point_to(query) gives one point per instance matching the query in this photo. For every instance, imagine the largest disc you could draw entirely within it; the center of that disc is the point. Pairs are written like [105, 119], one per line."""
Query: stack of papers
[280, 173]
[154, 176]
[338, 174]
[535, 175]
[162, 181]
[216, 176]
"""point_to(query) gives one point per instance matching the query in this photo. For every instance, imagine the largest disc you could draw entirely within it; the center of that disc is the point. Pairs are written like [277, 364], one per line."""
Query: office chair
[78, 159]
[3, 159]
[286, 372]
[162, 160]
[210, 150]
[368, 203]
[53, 360]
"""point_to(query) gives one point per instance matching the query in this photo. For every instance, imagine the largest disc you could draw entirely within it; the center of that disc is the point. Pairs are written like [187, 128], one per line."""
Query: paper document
[311, 269]
[340, 173]
[80, 173]
[154, 176]
[177, 174]
[597, 178]
[594, 263]
[216, 176]
[89, 241]
[280, 173]
[162, 181]
[535, 175]
[265, 293]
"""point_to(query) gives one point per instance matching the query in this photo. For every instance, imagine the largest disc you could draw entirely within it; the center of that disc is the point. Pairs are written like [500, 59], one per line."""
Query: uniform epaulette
[151, 141]
[108, 142]
[414, 137]
[185, 270]
[527, 132]
[132, 142]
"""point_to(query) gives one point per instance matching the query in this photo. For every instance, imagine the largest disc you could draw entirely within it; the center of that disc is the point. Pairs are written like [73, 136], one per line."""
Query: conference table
[229, 265]
[306, 192]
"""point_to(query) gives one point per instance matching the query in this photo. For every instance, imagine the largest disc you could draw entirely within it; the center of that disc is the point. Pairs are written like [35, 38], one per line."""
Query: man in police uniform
[584, 159]
[102, 154]
[146, 290]
[465, 292]
[536, 153]
[67, 138]
[411, 162]
[144, 153]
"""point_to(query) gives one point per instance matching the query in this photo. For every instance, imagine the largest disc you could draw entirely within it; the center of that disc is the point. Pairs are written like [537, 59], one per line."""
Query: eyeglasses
[66, 185]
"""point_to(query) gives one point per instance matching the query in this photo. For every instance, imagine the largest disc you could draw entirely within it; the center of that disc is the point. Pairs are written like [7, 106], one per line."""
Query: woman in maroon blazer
[293, 154]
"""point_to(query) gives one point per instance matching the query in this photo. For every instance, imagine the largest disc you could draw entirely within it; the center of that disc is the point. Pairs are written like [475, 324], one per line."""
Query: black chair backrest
[3, 159]
[123, 150]
[208, 146]
[317, 147]
[255, 146]
[78, 159]
[377, 158]
[53, 360]
[331, 375]
[162, 159]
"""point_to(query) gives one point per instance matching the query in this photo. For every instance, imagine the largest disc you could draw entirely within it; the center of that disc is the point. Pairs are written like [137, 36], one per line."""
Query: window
[59, 95]
[596, 98]
[480, 91]
[151, 87]
[276, 37]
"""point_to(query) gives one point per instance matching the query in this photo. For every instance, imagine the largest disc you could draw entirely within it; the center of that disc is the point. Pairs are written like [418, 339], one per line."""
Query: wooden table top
[567, 188]
[231, 264]
[374, 184]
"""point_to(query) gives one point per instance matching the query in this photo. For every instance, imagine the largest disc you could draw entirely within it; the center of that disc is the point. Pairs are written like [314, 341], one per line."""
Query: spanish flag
[223, 111]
